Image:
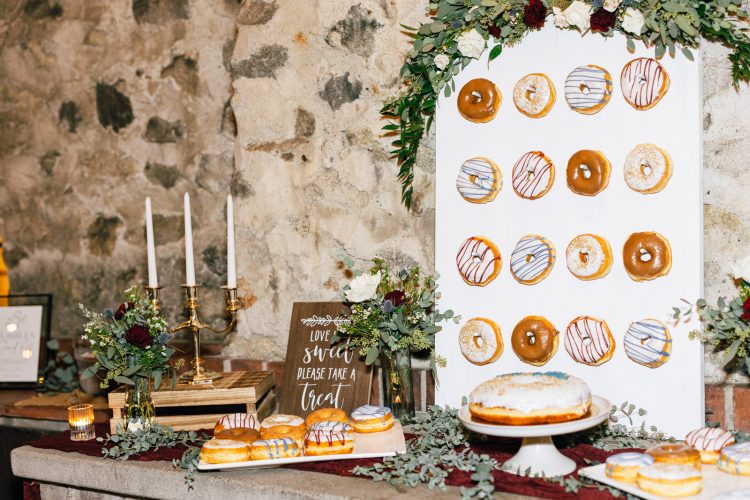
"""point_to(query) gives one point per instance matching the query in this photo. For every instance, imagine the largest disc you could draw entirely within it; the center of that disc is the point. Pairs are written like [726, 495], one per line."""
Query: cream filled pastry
[479, 180]
[329, 438]
[709, 441]
[670, 480]
[480, 341]
[625, 466]
[369, 418]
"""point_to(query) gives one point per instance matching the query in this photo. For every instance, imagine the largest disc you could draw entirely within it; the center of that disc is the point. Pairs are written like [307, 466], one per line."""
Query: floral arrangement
[130, 343]
[390, 312]
[460, 31]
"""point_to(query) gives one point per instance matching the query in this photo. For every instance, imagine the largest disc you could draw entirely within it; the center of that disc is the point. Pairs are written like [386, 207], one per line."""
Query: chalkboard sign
[317, 374]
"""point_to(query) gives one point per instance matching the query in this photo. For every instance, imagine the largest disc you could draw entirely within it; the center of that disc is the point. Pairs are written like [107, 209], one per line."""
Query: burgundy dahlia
[396, 297]
[494, 30]
[602, 20]
[121, 310]
[534, 14]
[746, 305]
[746, 310]
[138, 336]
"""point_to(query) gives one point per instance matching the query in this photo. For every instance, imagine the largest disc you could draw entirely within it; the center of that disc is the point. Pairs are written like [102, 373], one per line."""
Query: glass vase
[398, 390]
[139, 411]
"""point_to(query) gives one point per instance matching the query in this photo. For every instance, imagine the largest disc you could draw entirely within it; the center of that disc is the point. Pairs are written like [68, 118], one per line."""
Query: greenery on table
[460, 30]
[61, 372]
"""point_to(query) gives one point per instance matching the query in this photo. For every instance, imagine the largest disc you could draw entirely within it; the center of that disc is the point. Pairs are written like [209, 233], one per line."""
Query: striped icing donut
[368, 412]
[478, 261]
[644, 82]
[648, 342]
[268, 449]
[709, 441]
[589, 341]
[588, 89]
[532, 259]
[480, 341]
[735, 459]
[235, 420]
[533, 175]
[589, 257]
[479, 180]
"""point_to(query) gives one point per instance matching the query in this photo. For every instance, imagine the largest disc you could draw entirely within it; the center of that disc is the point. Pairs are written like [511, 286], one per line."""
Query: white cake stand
[538, 455]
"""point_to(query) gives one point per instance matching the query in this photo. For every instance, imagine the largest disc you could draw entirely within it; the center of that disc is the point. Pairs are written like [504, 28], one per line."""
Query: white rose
[611, 5]
[441, 61]
[363, 287]
[471, 44]
[632, 21]
[741, 269]
[560, 20]
[578, 14]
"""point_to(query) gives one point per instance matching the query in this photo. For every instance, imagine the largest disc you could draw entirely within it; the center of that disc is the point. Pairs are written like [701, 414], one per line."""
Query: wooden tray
[714, 483]
[192, 407]
[371, 445]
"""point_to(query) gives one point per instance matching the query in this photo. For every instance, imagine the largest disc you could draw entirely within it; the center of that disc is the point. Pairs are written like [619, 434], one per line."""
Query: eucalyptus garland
[460, 30]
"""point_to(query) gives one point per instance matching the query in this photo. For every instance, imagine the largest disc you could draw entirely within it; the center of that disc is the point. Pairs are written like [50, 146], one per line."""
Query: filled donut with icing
[670, 480]
[625, 466]
[368, 418]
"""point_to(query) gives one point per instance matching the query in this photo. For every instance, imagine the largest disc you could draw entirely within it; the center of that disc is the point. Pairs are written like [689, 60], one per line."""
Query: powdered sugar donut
[648, 342]
[532, 259]
[479, 180]
[644, 82]
[588, 89]
[480, 341]
[533, 175]
[534, 95]
[280, 419]
[478, 261]
[589, 341]
[709, 441]
[648, 169]
[589, 257]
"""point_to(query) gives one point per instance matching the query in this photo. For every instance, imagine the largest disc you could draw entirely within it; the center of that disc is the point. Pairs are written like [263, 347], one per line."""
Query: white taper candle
[153, 280]
[231, 264]
[189, 265]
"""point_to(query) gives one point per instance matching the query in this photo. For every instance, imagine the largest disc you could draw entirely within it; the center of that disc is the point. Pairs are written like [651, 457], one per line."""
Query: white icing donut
[368, 412]
[532, 259]
[527, 392]
[274, 420]
[669, 471]
[588, 257]
[709, 439]
[234, 420]
[533, 175]
[480, 341]
[648, 342]
[534, 95]
[644, 82]
[224, 443]
[629, 458]
[329, 431]
[735, 459]
[478, 261]
[589, 341]
[479, 180]
[588, 89]
[648, 169]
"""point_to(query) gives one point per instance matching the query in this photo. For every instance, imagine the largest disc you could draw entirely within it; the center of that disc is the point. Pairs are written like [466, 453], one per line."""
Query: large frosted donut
[644, 82]
[588, 172]
[534, 95]
[479, 180]
[588, 89]
[589, 257]
[534, 340]
[589, 341]
[532, 259]
[533, 175]
[478, 261]
[648, 343]
[647, 256]
[480, 341]
[479, 100]
[648, 169]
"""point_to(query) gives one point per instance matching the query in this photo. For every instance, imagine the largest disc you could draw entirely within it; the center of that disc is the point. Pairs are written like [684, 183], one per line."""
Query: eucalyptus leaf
[157, 379]
[124, 380]
[372, 355]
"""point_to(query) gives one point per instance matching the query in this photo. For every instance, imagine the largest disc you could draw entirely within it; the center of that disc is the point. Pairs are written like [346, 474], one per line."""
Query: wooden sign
[317, 374]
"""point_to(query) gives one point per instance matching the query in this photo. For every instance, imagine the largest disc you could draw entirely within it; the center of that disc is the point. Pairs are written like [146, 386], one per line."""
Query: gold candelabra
[199, 375]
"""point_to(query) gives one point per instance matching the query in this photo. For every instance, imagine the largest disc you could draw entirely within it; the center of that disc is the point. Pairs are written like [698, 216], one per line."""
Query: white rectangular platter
[371, 445]
[714, 483]
[673, 393]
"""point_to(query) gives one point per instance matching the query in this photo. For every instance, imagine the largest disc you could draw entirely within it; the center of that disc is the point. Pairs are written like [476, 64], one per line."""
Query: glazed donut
[222, 451]
[533, 175]
[329, 438]
[589, 341]
[326, 415]
[588, 172]
[589, 257]
[644, 82]
[534, 340]
[478, 261]
[479, 180]
[588, 89]
[534, 95]
[648, 169]
[625, 466]
[532, 259]
[648, 343]
[366, 419]
[670, 480]
[647, 256]
[480, 341]
[675, 454]
[479, 100]
[709, 441]
[269, 449]
[735, 459]
[246, 420]
[244, 434]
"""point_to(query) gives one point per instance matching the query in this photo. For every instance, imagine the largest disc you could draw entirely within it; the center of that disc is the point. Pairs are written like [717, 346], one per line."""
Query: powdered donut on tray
[479, 180]
[644, 82]
[533, 175]
[648, 343]
[532, 259]
[478, 261]
[589, 341]
[480, 341]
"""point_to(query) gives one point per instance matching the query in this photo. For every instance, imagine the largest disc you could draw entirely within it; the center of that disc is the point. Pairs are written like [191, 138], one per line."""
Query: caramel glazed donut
[588, 172]
[647, 256]
[534, 95]
[534, 340]
[479, 100]
[480, 341]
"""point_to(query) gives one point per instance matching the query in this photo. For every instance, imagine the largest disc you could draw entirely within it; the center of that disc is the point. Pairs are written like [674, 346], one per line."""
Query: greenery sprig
[61, 372]
[460, 30]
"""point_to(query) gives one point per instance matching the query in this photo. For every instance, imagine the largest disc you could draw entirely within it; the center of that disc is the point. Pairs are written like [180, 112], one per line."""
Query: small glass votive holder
[81, 420]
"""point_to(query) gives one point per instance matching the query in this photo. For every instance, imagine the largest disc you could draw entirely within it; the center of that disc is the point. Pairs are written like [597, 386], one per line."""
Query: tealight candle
[81, 420]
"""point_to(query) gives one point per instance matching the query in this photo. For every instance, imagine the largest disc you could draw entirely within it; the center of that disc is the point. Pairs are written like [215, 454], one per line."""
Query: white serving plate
[371, 445]
[715, 482]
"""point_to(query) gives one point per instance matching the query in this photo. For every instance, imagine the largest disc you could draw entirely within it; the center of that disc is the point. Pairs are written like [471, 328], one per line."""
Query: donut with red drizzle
[478, 261]
[644, 82]
[589, 341]
[533, 175]
[329, 438]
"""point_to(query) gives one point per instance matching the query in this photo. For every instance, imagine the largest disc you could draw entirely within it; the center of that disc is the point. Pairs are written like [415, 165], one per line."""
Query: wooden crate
[192, 407]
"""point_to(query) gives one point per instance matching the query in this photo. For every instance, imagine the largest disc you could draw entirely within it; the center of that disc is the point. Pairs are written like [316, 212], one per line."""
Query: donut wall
[553, 272]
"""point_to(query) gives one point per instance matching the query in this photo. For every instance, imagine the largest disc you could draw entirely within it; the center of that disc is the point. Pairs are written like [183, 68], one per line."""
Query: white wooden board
[673, 393]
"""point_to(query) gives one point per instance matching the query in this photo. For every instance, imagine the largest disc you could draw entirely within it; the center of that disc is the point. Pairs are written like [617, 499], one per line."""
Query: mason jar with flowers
[130, 345]
[391, 316]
